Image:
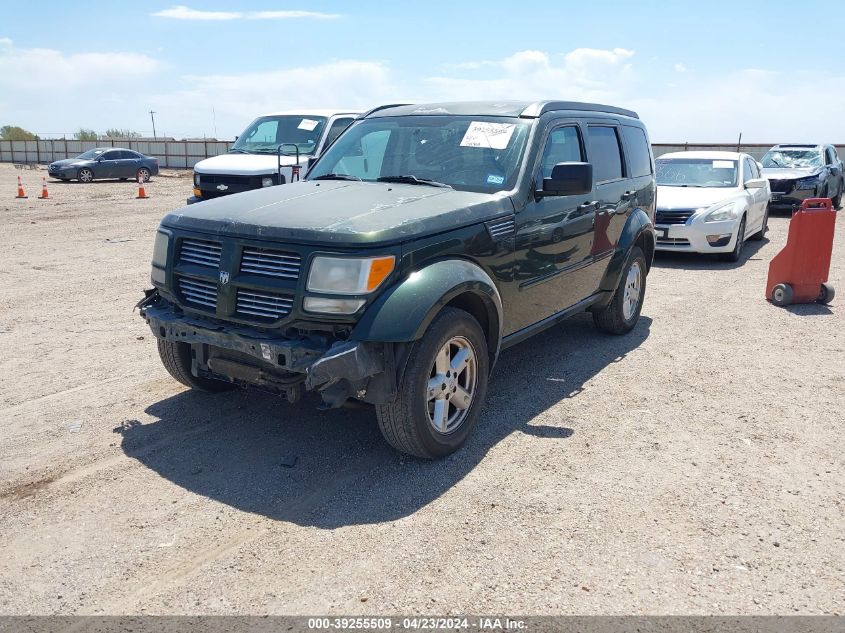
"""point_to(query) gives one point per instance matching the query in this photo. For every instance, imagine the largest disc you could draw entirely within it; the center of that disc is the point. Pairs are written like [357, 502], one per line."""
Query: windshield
[265, 134]
[792, 158]
[91, 153]
[695, 172]
[469, 153]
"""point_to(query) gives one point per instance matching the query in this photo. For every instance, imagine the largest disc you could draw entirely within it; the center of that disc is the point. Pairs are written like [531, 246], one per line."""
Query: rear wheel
[85, 175]
[144, 174]
[826, 293]
[621, 314]
[782, 295]
[176, 358]
[442, 391]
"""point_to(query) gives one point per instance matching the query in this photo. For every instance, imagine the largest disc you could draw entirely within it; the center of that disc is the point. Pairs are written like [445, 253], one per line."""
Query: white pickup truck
[273, 150]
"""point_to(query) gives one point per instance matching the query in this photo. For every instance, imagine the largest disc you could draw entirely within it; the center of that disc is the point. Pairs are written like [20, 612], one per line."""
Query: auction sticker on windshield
[488, 135]
[308, 125]
[723, 164]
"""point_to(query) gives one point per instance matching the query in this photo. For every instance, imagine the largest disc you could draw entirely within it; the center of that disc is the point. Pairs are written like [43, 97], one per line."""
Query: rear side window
[831, 157]
[605, 153]
[127, 155]
[639, 156]
[112, 155]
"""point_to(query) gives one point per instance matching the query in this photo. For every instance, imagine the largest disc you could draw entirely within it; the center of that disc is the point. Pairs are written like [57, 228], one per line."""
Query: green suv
[422, 242]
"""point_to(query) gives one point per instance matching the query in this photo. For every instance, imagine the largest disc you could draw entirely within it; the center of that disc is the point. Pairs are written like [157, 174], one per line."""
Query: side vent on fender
[501, 228]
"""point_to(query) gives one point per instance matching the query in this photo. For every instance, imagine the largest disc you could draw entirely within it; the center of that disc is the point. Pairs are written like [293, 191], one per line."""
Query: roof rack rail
[541, 107]
[382, 107]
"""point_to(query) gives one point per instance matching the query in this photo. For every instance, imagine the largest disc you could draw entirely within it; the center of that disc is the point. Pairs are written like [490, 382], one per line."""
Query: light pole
[153, 118]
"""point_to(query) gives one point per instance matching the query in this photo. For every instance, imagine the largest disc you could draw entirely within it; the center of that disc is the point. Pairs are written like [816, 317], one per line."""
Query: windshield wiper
[413, 180]
[335, 177]
[238, 151]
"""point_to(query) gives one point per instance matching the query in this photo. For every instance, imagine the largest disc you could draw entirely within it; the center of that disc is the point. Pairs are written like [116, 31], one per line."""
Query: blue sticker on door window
[493, 179]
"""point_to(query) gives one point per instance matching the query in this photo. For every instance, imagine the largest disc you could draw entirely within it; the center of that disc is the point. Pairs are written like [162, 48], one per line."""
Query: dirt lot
[693, 466]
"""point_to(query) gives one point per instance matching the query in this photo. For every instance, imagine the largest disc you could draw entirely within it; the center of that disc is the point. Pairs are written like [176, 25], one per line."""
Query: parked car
[104, 162]
[798, 172]
[407, 259]
[708, 202]
[271, 151]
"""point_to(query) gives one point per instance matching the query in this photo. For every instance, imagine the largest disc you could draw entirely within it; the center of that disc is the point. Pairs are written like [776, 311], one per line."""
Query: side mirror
[756, 183]
[311, 161]
[236, 137]
[569, 179]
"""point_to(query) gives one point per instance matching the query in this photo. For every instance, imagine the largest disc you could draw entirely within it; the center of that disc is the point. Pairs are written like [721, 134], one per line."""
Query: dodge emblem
[222, 187]
[224, 277]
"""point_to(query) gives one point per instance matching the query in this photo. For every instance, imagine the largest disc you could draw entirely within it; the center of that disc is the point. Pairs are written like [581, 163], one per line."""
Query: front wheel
[85, 175]
[763, 229]
[622, 313]
[176, 358]
[736, 253]
[441, 393]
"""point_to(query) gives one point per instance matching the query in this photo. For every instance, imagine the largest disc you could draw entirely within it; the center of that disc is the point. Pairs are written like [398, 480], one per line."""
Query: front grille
[263, 304]
[214, 179]
[200, 292]
[781, 186]
[201, 252]
[673, 216]
[260, 261]
[673, 241]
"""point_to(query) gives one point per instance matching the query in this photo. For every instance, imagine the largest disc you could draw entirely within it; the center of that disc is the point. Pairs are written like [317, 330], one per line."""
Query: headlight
[267, 182]
[808, 183]
[196, 179]
[728, 211]
[160, 249]
[348, 275]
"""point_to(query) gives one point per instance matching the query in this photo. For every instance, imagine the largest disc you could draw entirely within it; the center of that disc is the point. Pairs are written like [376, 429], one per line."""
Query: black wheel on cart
[826, 293]
[782, 295]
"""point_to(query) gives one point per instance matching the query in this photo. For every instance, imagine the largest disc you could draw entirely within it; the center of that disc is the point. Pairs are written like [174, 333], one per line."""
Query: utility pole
[153, 118]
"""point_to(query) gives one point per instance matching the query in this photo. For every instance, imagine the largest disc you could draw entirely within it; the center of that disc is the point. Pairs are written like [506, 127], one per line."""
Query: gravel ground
[694, 466]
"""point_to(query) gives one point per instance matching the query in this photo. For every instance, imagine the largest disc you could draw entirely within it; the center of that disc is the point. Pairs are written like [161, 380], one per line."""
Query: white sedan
[709, 202]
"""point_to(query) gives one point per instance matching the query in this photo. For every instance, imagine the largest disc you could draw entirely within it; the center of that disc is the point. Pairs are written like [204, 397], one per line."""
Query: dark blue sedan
[104, 162]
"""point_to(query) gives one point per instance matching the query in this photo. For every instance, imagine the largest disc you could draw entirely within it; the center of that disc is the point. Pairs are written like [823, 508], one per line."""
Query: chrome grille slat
[201, 252]
[270, 263]
[199, 291]
[264, 305]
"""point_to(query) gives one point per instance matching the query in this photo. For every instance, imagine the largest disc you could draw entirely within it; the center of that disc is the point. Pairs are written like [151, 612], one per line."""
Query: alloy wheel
[452, 385]
[633, 289]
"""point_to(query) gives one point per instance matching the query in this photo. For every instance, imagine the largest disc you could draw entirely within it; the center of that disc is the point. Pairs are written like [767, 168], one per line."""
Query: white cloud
[182, 12]
[680, 68]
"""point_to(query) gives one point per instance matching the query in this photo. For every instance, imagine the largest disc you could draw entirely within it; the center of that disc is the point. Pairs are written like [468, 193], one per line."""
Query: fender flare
[404, 312]
[638, 226]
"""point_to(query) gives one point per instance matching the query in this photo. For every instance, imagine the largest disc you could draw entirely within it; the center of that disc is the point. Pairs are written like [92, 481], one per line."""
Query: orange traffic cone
[44, 195]
[142, 194]
[21, 194]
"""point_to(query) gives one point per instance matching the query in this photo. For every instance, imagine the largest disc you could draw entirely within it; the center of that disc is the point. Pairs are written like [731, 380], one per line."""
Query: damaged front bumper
[338, 369]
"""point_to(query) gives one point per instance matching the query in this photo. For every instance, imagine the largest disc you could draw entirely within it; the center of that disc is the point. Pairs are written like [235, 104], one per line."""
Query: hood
[67, 162]
[245, 164]
[693, 197]
[789, 173]
[339, 212]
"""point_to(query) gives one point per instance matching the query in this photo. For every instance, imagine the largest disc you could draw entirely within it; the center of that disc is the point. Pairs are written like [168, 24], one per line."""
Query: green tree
[114, 132]
[15, 133]
[85, 135]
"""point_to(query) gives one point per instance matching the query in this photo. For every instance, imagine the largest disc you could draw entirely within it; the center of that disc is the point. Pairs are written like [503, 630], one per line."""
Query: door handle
[628, 195]
[588, 205]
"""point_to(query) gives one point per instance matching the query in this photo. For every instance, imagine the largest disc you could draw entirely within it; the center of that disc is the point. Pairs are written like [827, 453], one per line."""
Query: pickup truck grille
[263, 304]
[200, 292]
[674, 216]
[259, 261]
[200, 252]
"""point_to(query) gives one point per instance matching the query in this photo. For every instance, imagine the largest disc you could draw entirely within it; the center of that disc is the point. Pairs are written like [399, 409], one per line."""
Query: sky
[694, 71]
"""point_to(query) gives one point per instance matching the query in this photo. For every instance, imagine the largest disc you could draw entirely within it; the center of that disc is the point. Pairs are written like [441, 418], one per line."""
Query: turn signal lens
[380, 268]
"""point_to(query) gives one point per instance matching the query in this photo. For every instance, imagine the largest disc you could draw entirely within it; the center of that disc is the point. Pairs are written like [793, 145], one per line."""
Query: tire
[622, 313]
[782, 295]
[176, 358]
[759, 235]
[557, 236]
[826, 294]
[736, 254]
[408, 423]
[144, 173]
[85, 175]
